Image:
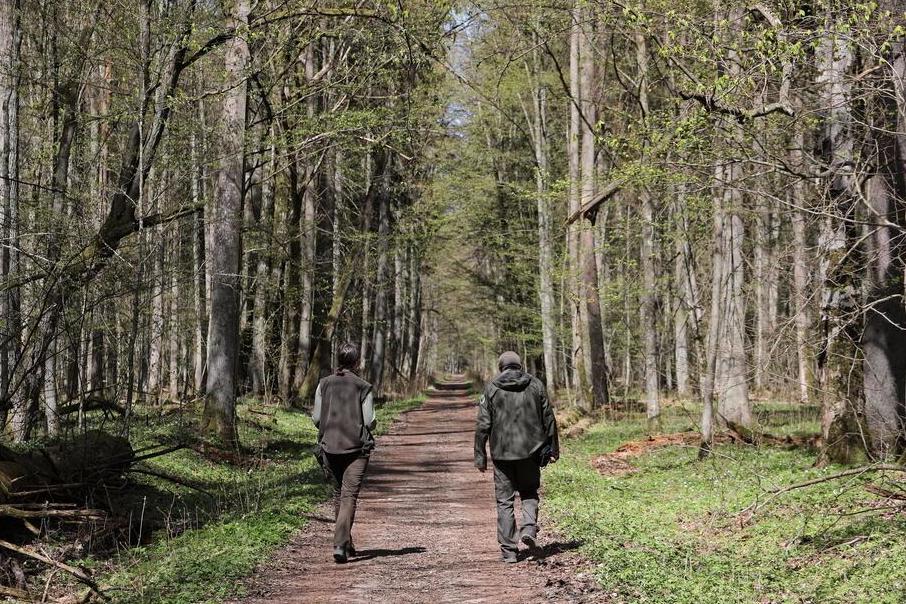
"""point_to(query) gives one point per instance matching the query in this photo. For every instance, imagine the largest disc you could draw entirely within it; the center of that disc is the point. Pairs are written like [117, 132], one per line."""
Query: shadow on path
[550, 550]
[369, 554]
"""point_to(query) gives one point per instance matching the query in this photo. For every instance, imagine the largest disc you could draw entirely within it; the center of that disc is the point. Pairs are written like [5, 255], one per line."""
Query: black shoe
[509, 559]
[350, 550]
[339, 554]
[529, 541]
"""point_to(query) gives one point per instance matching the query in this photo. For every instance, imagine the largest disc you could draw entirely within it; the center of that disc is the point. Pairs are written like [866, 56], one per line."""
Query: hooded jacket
[517, 417]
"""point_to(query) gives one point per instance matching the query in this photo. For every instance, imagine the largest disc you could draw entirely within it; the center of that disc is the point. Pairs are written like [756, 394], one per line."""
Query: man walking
[516, 414]
[344, 415]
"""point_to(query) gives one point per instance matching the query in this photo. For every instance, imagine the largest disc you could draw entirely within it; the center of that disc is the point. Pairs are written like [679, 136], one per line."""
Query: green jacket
[517, 417]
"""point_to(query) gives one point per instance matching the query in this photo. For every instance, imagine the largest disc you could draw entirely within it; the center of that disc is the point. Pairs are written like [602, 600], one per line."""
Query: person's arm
[482, 432]
[550, 423]
[316, 412]
[368, 416]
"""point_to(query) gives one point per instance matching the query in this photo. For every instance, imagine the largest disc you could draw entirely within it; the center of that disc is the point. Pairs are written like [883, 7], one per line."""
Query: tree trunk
[10, 348]
[156, 331]
[687, 303]
[884, 337]
[732, 370]
[309, 240]
[219, 419]
[838, 357]
[732, 379]
[800, 301]
[538, 127]
[263, 285]
[380, 306]
[708, 365]
[578, 352]
[766, 290]
[415, 315]
[173, 325]
[337, 177]
[289, 333]
[597, 371]
[199, 272]
[399, 300]
[647, 253]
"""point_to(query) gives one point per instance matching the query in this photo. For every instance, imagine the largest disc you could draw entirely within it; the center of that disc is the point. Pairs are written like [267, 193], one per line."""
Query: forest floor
[663, 527]
[425, 530]
[626, 518]
[189, 546]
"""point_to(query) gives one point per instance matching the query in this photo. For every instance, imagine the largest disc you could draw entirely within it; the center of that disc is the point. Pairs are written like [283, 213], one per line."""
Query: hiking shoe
[339, 554]
[509, 558]
[350, 550]
[529, 541]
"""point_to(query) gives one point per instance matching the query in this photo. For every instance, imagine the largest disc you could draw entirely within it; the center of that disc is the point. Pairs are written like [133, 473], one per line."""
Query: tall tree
[219, 418]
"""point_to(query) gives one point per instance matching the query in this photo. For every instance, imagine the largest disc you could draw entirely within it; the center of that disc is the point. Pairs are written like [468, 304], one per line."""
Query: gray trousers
[348, 471]
[510, 477]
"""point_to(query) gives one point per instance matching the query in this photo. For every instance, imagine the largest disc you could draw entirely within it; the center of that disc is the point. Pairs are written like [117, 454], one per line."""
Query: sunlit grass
[673, 532]
[257, 506]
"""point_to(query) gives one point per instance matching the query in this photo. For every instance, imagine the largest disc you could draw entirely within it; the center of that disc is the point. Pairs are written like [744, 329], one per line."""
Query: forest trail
[424, 530]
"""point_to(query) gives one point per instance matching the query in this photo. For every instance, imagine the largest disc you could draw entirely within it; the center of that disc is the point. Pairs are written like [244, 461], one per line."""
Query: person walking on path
[344, 416]
[517, 417]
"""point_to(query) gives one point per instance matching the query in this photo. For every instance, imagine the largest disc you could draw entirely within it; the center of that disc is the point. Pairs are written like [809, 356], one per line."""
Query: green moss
[671, 532]
[256, 508]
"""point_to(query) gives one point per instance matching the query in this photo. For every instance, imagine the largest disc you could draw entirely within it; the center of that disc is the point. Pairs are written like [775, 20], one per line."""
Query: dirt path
[425, 530]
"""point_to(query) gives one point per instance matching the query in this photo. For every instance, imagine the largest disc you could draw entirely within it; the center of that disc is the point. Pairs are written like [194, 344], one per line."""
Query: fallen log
[17, 594]
[757, 437]
[64, 469]
[78, 573]
[92, 404]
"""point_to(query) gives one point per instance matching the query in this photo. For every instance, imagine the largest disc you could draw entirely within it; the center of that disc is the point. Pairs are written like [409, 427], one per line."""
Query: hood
[513, 379]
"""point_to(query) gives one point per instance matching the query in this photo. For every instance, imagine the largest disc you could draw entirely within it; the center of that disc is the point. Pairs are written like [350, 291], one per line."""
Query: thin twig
[747, 514]
[75, 572]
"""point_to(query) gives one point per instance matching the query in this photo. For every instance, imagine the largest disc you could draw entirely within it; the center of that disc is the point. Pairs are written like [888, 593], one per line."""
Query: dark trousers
[510, 477]
[347, 471]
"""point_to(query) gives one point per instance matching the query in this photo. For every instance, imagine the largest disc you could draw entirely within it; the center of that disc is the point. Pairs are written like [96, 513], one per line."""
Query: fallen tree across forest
[54, 482]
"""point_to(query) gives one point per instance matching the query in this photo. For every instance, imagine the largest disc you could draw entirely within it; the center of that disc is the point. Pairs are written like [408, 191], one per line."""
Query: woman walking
[344, 416]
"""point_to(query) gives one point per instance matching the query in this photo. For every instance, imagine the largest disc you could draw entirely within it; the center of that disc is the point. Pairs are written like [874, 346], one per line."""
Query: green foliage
[671, 532]
[260, 508]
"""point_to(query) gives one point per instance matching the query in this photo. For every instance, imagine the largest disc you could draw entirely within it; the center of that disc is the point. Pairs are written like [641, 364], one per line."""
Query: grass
[205, 545]
[671, 532]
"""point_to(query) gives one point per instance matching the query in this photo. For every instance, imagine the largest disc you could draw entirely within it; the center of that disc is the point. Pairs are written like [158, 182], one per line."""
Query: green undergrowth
[673, 529]
[205, 543]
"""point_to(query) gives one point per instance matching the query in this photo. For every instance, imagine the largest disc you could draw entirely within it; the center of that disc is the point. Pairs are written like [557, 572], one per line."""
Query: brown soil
[617, 463]
[425, 530]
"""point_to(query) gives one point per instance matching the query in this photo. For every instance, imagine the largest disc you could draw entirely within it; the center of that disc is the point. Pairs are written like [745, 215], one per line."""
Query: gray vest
[342, 427]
